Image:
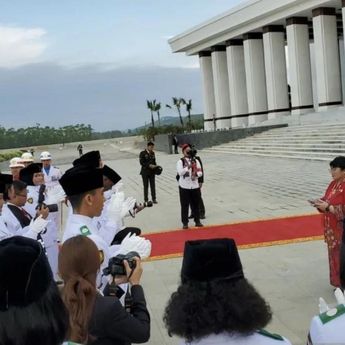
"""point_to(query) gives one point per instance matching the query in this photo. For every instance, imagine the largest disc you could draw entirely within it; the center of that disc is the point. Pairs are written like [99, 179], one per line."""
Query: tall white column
[221, 87]
[327, 58]
[207, 89]
[275, 68]
[255, 77]
[299, 65]
[237, 83]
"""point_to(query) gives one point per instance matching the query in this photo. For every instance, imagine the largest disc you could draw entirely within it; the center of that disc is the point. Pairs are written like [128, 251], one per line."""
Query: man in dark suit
[148, 164]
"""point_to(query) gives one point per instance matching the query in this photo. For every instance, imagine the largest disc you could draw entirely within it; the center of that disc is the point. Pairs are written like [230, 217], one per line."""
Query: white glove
[339, 296]
[323, 307]
[38, 225]
[55, 195]
[117, 187]
[128, 205]
[115, 207]
[136, 244]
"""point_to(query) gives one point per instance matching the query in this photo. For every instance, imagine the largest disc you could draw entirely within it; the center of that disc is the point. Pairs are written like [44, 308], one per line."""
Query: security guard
[148, 164]
[51, 173]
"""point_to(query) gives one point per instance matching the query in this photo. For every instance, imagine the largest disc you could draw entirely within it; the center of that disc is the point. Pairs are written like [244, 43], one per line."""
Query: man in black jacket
[148, 164]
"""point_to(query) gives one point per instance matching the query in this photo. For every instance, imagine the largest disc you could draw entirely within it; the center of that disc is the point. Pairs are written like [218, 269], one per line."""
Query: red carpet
[247, 234]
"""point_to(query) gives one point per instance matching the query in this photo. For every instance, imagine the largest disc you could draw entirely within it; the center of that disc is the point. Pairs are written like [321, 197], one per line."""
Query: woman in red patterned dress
[332, 205]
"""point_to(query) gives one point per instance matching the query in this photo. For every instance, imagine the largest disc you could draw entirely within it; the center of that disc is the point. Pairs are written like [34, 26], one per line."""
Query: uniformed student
[84, 189]
[18, 221]
[36, 199]
[15, 166]
[148, 164]
[111, 179]
[214, 303]
[27, 158]
[328, 326]
[51, 173]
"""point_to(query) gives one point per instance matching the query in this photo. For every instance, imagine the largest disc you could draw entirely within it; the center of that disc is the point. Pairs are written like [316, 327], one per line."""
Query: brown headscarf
[79, 262]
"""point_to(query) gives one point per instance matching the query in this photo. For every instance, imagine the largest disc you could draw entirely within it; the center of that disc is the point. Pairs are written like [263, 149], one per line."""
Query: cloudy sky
[96, 62]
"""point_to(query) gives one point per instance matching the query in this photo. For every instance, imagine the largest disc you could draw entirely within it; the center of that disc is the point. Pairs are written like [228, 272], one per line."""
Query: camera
[193, 151]
[116, 266]
[51, 208]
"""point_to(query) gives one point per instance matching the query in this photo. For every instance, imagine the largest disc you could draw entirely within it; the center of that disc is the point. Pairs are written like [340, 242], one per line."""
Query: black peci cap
[81, 179]
[111, 174]
[89, 159]
[5, 179]
[214, 259]
[25, 274]
[27, 173]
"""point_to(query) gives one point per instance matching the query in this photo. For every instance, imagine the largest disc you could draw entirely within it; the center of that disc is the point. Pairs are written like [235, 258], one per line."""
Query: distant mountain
[172, 120]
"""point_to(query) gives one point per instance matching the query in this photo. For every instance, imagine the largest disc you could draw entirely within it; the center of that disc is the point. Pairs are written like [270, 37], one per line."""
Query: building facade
[266, 60]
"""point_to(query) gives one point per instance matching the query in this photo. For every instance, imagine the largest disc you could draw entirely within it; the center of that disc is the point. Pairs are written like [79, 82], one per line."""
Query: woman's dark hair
[198, 309]
[79, 262]
[338, 162]
[43, 322]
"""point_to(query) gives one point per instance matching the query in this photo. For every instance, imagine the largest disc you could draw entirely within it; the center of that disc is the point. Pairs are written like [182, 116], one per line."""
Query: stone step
[339, 151]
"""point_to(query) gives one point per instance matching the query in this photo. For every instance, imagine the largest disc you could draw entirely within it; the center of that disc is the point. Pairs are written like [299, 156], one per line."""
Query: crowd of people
[87, 288]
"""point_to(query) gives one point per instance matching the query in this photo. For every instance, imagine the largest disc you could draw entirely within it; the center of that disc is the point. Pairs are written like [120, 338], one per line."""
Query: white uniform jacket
[12, 225]
[258, 338]
[328, 327]
[52, 178]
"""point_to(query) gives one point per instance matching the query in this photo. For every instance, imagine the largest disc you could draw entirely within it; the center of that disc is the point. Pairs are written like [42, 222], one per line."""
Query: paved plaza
[237, 188]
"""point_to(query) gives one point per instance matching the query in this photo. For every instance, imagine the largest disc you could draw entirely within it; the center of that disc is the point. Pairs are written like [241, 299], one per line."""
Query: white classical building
[267, 59]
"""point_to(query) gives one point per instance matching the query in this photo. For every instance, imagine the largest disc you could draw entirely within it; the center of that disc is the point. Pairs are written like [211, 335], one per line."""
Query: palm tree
[157, 107]
[189, 109]
[150, 105]
[177, 102]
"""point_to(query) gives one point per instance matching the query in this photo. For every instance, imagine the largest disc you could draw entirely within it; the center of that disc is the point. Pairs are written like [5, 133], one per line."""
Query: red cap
[184, 146]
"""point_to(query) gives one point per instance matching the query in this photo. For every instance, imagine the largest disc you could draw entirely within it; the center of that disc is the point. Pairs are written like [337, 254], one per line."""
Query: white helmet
[45, 156]
[16, 162]
[27, 157]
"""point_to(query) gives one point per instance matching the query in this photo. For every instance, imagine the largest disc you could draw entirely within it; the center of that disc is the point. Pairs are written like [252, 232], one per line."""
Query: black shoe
[191, 216]
[149, 203]
[185, 226]
[155, 201]
[199, 225]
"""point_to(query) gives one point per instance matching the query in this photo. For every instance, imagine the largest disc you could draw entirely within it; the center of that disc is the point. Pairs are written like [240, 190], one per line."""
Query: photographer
[188, 172]
[93, 317]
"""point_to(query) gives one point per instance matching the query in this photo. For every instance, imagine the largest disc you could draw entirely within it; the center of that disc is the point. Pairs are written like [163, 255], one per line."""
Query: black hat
[214, 259]
[158, 170]
[27, 173]
[150, 143]
[89, 159]
[25, 274]
[5, 179]
[338, 162]
[111, 174]
[81, 179]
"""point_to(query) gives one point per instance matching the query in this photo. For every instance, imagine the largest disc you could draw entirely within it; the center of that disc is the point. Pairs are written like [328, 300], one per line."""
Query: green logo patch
[84, 230]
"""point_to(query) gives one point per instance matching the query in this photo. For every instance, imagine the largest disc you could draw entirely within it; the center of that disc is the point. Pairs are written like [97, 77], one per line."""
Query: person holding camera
[148, 170]
[97, 319]
[188, 172]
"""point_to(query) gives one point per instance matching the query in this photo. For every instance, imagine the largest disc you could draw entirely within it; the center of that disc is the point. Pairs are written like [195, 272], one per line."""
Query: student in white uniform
[32, 175]
[215, 304]
[51, 173]
[19, 222]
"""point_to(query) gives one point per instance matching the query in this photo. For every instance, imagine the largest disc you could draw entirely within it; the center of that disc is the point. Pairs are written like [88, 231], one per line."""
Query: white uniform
[82, 225]
[258, 338]
[328, 327]
[12, 226]
[50, 237]
[106, 228]
[53, 176]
